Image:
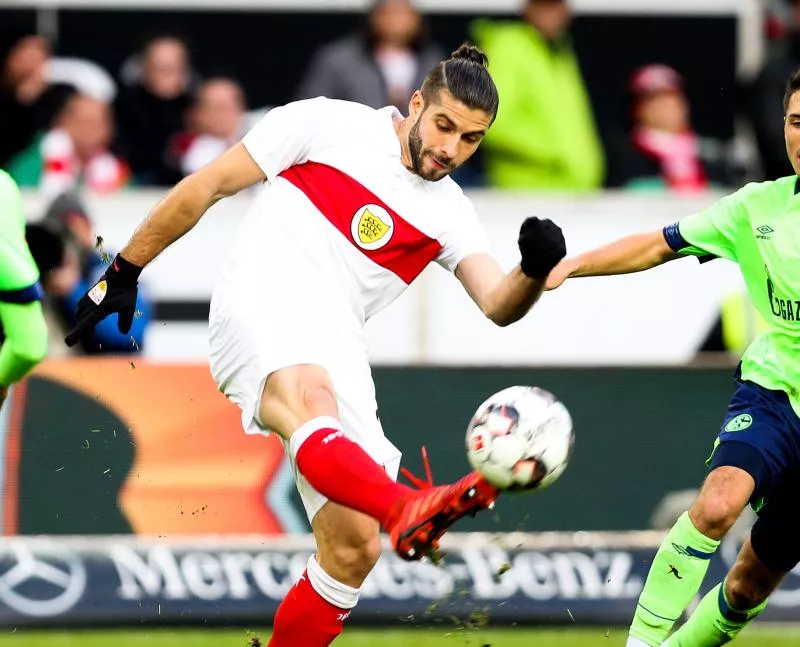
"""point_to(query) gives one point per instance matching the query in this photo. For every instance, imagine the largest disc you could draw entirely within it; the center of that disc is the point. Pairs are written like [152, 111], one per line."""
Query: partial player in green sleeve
[24, 332]
[756, 456]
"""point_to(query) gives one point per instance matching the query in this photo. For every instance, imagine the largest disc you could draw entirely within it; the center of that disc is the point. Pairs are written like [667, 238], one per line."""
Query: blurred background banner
[115, 446]
[592, 578]
[121, 581]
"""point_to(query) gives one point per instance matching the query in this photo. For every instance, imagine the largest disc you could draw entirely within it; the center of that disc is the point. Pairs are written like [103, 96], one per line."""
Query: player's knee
[357, 557]
[319, 397]
[714, 514]
[295, 395]
[724, 495]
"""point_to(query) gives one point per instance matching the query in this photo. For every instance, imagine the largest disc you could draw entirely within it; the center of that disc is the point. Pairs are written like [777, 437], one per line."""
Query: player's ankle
[396, 509]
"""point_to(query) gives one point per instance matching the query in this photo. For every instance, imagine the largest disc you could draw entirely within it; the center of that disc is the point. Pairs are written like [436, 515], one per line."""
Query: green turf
[360, 638]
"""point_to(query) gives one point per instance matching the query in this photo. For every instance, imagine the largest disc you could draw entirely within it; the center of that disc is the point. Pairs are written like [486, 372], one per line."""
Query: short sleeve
[18, 272]
[286, 135]
[467, 236]
[12, 219]
[713, 231]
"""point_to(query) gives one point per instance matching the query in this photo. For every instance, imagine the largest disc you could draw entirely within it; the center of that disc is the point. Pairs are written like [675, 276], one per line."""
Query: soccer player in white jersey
[354, 203]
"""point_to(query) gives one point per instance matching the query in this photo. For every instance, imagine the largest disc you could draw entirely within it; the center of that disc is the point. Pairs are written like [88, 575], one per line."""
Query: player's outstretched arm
[506, 298]
[631, 254]
[187, 202]
[174, 216]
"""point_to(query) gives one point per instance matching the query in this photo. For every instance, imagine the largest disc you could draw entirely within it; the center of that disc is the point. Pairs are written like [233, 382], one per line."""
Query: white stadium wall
[660, 317]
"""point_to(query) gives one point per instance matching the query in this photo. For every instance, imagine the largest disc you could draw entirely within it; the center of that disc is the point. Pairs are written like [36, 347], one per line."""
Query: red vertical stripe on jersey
[339, 197]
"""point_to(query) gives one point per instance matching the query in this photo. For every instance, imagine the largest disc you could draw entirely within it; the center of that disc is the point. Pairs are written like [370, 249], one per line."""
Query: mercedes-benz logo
[787, 595]
[39, 579]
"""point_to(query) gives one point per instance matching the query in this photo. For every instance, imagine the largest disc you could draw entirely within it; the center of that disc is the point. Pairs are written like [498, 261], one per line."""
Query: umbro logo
[764, 231]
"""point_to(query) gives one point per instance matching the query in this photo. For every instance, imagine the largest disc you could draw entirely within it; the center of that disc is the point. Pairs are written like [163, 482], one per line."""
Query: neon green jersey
[18, 272]
[758, 227]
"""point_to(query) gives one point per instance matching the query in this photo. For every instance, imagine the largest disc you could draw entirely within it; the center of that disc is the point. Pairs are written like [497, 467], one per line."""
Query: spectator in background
[67, 217]
[74, 153]
[662, 151]
[217, 121]
[151, 108]
[545, 136]
[28, 100]
[70, 261]
[34, 85]
[766, 96]
[378, 66]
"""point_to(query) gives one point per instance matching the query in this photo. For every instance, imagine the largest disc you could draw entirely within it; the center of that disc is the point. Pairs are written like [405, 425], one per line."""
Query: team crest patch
[740, 422]
[98, 292]
[372, 227]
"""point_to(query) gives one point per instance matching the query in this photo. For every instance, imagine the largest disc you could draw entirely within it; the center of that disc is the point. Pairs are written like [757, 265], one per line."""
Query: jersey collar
[390, 114]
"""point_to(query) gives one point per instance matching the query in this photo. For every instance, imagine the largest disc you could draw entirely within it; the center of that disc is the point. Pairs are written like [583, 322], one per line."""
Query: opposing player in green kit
[23, 330]
[756, 458]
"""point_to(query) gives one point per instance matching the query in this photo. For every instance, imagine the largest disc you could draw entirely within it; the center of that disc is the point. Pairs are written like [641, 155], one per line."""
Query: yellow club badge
[372, 227]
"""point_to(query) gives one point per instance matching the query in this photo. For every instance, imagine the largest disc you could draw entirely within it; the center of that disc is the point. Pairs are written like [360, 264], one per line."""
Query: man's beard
[415, 148]
[417, 154]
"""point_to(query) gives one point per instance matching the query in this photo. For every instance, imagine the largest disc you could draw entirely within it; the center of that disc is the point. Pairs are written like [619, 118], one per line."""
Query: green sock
[674, 579]
[714, 622]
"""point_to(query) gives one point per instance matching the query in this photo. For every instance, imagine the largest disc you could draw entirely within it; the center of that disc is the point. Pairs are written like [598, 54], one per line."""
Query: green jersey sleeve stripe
[677, 243]
[23, 295]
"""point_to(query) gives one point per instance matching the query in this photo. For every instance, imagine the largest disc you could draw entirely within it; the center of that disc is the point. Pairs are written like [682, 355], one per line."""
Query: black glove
[542, 246]
[114, 292]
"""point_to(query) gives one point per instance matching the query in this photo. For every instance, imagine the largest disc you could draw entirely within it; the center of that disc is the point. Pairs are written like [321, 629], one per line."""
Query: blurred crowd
[67, 123]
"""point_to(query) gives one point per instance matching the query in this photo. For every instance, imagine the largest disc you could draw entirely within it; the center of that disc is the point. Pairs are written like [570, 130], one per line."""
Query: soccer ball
[521, 438]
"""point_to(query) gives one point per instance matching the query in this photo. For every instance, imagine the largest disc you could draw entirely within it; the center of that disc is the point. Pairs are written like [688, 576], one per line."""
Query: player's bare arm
[189, 200]
[174, 216]
[630, 254]
[506, 298]
[503, 298]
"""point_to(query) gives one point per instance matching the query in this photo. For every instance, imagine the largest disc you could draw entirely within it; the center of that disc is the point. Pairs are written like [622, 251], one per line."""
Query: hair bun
[471, 53]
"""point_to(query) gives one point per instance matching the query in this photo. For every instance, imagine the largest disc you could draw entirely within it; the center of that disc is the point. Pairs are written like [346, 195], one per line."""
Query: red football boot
[418, 521]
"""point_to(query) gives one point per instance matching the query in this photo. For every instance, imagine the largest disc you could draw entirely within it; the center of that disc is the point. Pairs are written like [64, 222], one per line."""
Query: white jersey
[338, 231]
[339, 201]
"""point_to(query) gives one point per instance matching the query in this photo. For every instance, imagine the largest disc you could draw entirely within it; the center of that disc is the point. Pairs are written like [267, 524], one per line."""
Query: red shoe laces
[417, 482]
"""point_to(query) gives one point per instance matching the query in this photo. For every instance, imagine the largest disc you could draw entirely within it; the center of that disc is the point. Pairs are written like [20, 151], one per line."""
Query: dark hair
[46, 247]
[466, 76]
[792, 86]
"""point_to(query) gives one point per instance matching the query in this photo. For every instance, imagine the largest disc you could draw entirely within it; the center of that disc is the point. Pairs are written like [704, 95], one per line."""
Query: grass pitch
[513, 637]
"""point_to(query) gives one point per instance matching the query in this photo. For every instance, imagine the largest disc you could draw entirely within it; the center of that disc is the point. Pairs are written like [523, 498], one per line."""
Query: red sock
[305, 618]
[340, 470]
